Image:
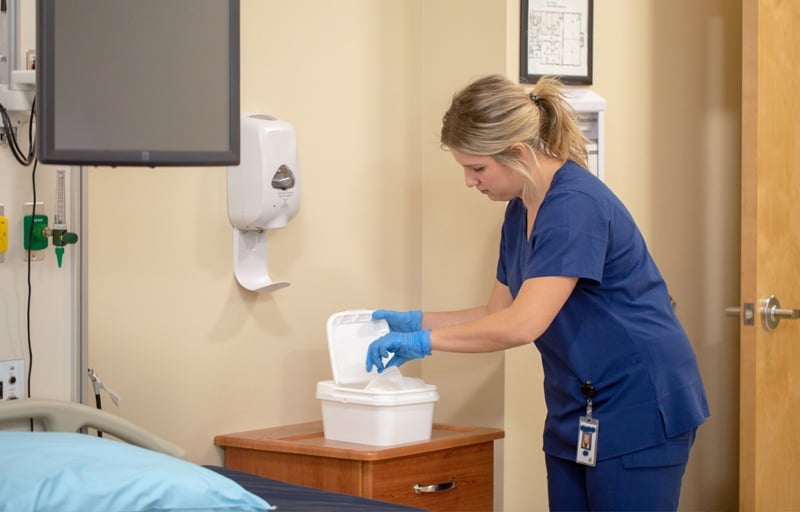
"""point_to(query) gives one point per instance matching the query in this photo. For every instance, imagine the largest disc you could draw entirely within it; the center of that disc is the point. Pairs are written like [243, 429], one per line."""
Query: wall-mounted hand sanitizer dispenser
[263, 193]
[590, 108]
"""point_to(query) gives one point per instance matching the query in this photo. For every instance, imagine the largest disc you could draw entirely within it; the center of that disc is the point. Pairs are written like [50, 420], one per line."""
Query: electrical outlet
[12, 379]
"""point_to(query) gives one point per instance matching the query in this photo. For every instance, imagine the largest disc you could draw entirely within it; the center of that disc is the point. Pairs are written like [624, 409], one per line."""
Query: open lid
[349, 335]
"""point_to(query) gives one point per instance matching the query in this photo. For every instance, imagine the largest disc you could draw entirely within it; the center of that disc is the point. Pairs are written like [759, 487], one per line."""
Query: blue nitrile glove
[404, 345]
[400, 321]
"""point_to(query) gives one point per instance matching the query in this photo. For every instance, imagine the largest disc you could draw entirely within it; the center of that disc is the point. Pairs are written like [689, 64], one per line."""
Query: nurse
[574, 276]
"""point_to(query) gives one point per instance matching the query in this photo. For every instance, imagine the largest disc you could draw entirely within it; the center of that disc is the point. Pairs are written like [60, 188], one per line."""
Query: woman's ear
[520, 148]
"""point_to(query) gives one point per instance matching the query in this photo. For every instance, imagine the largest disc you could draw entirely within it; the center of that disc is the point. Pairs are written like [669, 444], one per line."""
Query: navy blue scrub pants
[641, 481]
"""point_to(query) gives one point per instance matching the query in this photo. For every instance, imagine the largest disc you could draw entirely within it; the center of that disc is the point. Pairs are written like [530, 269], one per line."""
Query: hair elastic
[534, 98]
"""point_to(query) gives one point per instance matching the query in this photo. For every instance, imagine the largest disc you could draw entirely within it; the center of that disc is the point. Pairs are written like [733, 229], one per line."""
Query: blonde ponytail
[560, 135]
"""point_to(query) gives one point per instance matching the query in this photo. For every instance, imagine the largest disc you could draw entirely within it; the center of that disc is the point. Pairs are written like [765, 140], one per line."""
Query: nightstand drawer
[468, 469]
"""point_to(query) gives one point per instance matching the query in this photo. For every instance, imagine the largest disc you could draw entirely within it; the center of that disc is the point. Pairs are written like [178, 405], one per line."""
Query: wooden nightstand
[456, 467]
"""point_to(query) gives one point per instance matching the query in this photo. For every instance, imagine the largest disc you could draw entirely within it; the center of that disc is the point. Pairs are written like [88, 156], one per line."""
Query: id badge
[587, 441]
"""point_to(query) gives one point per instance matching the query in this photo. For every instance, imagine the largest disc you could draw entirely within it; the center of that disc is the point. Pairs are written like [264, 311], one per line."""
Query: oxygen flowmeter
[61, 236]
[36, 230]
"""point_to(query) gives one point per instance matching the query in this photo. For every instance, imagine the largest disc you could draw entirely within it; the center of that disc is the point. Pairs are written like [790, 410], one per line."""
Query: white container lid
[331, 392]
[349, 336]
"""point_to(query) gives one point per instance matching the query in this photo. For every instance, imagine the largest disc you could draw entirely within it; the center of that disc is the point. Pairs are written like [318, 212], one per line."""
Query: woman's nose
[470, 180]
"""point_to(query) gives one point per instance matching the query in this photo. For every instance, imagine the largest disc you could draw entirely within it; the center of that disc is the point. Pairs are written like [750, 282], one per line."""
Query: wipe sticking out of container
[370, 408]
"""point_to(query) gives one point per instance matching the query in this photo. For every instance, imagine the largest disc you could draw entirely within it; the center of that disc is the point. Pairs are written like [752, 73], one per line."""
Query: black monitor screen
[141, 83]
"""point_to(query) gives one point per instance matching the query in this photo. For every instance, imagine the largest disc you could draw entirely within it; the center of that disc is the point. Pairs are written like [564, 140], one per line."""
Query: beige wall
[460, 228]
[685, 190]
[191, 353]
[462, 39]
[386, 221]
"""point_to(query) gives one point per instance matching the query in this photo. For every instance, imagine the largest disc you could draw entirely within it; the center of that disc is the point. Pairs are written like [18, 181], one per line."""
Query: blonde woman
[574, 276]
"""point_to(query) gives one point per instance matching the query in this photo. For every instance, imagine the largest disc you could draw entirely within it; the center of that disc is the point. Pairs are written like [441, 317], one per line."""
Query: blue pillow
[65, 472]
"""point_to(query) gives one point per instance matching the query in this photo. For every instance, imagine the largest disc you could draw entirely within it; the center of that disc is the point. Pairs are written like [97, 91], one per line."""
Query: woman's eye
[478, 169]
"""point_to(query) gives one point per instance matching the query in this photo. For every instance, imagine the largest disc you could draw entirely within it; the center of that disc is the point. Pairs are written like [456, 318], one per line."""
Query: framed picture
[556, 39]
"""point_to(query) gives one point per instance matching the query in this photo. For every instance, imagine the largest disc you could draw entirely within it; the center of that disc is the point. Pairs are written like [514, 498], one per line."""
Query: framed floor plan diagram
[556, 39]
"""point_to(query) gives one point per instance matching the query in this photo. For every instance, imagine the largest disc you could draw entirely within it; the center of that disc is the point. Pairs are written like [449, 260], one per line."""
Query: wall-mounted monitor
[138, 82]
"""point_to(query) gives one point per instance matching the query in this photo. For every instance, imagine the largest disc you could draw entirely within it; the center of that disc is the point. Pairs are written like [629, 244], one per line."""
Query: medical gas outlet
[33, 235]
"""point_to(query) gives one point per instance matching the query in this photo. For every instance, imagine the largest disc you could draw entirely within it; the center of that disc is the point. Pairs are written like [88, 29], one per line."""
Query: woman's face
[498, 182]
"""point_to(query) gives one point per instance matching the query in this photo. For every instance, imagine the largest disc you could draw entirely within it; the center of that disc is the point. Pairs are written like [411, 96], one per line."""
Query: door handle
[771, 313]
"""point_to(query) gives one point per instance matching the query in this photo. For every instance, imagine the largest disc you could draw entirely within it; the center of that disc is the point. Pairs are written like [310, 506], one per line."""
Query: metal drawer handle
[445, 486]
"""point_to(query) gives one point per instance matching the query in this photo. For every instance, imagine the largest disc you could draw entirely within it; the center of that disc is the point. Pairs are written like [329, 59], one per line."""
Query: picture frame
[556, 39]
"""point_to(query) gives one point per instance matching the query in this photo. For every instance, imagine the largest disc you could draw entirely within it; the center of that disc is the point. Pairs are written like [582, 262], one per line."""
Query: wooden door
[770, 360]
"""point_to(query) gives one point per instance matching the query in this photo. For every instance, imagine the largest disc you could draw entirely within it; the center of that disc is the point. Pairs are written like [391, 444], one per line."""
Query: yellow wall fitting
[3, 236]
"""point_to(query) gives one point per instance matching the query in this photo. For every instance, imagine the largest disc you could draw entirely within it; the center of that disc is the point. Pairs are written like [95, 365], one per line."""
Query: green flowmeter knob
[62, 237]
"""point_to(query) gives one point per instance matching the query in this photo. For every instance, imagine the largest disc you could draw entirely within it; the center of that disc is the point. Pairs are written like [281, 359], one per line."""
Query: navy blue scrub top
[617, 329]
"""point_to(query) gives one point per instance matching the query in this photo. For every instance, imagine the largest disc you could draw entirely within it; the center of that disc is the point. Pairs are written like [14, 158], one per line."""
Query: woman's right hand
[400, 321]
[403, 346]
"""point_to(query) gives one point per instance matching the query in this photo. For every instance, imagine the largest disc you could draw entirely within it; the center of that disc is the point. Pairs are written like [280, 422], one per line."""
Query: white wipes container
[370, 408]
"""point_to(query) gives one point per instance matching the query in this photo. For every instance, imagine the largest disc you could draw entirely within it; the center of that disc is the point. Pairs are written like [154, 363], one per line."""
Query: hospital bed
[128, 468]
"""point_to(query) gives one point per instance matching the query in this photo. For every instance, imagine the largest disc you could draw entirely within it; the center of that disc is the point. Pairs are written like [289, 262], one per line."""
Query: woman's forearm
[486, 333]
[498, 328]
[500, 298]
[439, 319]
